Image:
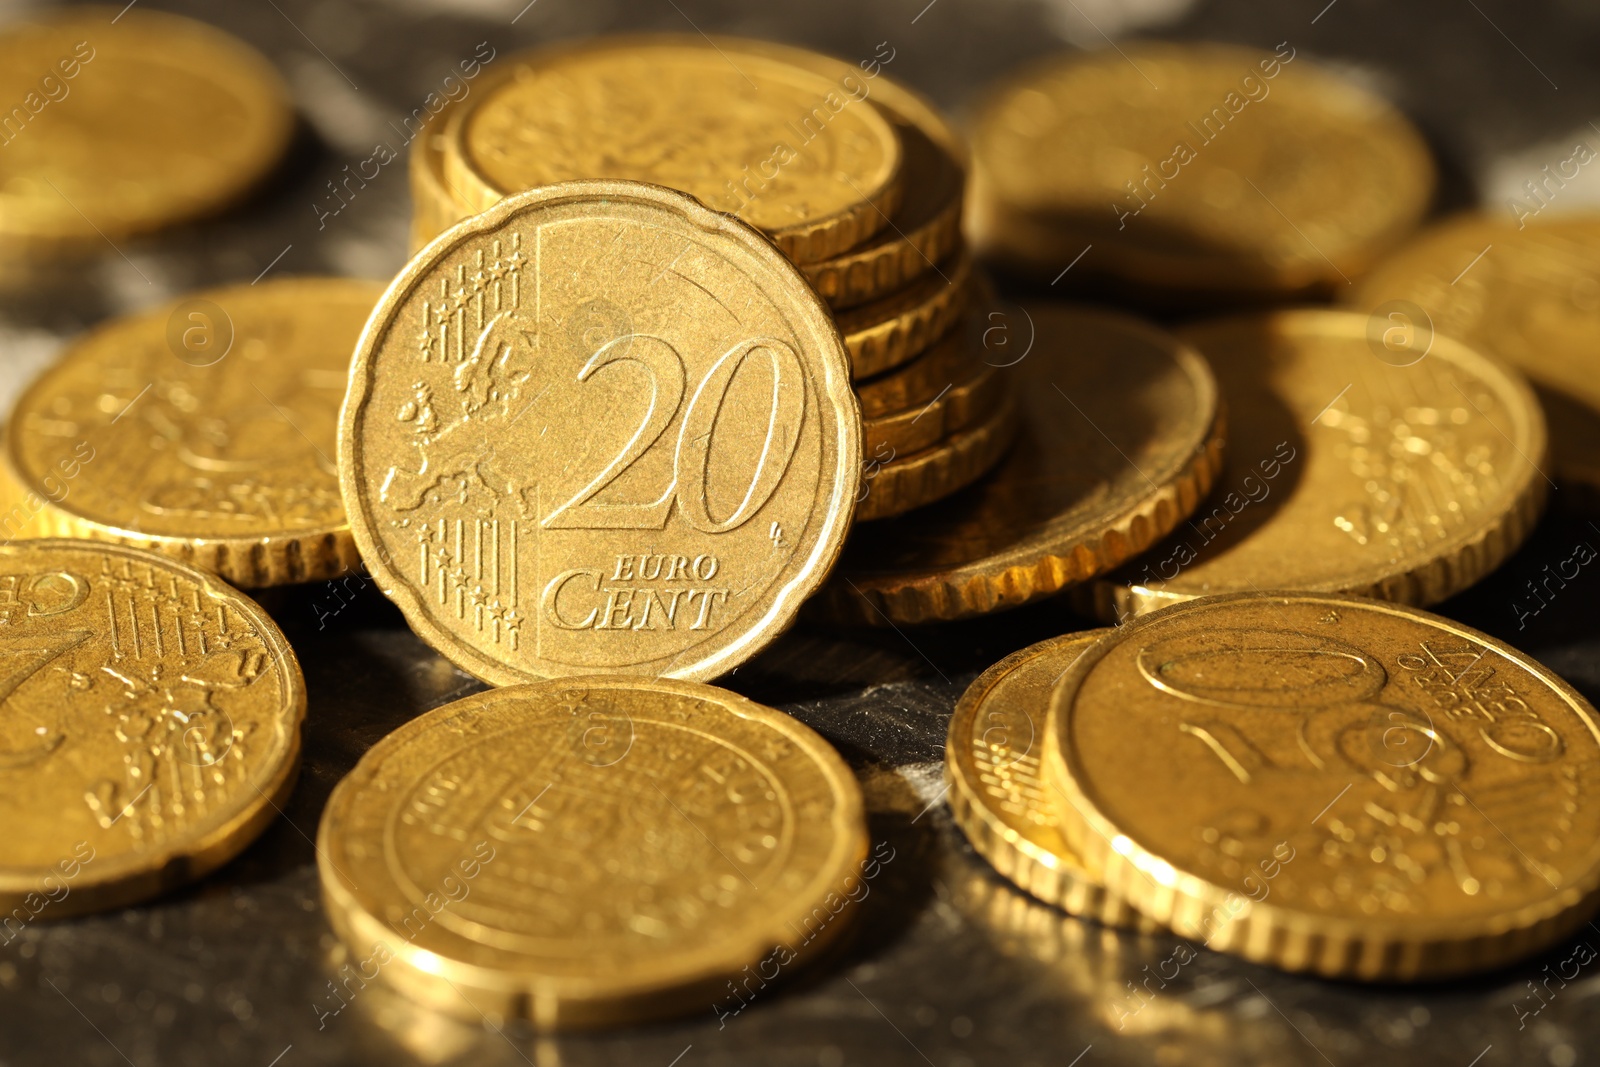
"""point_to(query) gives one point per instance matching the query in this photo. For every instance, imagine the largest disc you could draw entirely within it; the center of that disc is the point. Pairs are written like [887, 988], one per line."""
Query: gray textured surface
[949, 966]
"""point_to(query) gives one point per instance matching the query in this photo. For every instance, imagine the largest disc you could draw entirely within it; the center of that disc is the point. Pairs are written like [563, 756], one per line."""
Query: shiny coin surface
[888, 332]
[1528, 294]
[992, 763]
[151, 725]
[1199, 170]
[114, 130]
[600, 428]
[1348, 472]
[745, 132]
[591, 851]
[204, 429]
[1121, 437]
[1331, 784]
[897, 484]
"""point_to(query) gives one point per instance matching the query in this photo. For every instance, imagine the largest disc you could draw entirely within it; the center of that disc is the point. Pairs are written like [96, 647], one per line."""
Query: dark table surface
[948, 964]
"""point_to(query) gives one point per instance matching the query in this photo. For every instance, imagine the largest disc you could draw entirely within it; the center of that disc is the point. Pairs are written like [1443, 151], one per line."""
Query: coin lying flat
[745, 132]
[1348, 473]
[435, 205]
[204, 429]
[963, 402]
[114, 130]
[992, 763]
[1194, 171]
[1121, 437]
[897, 485]
[592, 850]
[1526, 293]
[888, 332]
[1331, 784]
[600, 428]
[151, 724]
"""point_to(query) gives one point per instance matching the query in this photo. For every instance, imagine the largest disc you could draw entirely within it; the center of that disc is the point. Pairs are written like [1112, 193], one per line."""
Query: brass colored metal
[162, 120]
[600, 428]
[1348, 473]
[203, 429]
[998, 796]
[1331, 784]
[1121, 438]
[888, 332]
[1526, 293]
[745, 132]
[151, 727]
[894, 486]
[592, 851]
[1196, 171]
[913, 429]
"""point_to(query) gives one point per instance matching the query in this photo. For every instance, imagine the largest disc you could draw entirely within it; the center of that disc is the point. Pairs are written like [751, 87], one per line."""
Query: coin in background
[204, 429]
[1121, 435]
[1402, 479]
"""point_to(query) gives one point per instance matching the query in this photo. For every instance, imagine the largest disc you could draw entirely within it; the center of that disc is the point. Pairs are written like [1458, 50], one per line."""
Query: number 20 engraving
[693, 454]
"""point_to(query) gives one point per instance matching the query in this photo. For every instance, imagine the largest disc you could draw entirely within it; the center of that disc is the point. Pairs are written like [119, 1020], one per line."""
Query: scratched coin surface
[1331, 784]
[1402, 479]
[117, 130]
[204, 428]
[992, 764]
[150, 724]
[746, 132]
[1195, 169]
[588, 851]
[600, 428]
[1528, 294]
[1120, 436]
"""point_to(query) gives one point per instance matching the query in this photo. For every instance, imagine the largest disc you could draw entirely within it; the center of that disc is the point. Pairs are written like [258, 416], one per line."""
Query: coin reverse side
[600, 428]
[1331, 784]
[590, 851]
[149, 725]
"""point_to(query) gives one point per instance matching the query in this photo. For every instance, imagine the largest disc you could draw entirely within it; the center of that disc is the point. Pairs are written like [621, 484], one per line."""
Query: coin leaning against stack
[858, 180]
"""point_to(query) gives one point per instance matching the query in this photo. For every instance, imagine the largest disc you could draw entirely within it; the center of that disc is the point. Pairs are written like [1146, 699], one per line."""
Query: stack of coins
[856, 179]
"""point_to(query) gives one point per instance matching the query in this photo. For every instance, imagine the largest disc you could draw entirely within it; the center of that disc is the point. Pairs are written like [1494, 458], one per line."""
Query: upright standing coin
[1349, 472]
[591, 851]
[204, 429]
[150, 728]
[1527, 293]
[999, 798]
[1331, 784]
[117, 124]
[1195, 170]
[1121, 436]
[745, 132]
[600, 428]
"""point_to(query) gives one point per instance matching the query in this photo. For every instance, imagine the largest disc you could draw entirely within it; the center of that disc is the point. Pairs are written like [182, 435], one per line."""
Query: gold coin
[1529, 294]
[1195, 170]
[1348, 473]
[884, 334]
[897, 484]
[118, 130]
[593, 850]
[919, 381]
[600, 427]
[913, 429]
[151, 726]
[745, 132]
[927, 227]
[1121, 438]
[204, 429]
[1331, 784]
[992, 763]
[435, 205]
